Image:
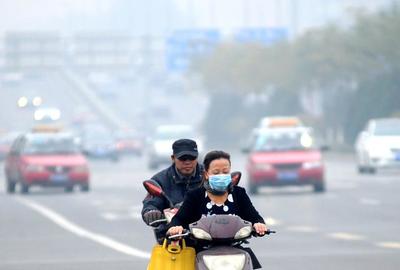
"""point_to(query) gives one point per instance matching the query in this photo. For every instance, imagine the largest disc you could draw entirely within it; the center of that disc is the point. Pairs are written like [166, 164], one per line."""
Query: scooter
[221, 237]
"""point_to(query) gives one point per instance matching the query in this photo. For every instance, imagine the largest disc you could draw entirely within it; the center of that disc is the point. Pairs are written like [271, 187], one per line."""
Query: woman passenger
[217, 196]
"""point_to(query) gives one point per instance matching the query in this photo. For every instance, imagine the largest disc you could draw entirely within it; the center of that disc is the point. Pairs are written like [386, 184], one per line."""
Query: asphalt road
[354, 225]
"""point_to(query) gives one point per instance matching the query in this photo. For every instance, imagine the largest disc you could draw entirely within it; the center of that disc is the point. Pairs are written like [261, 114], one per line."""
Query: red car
[129, 142]
[46, 159]
[282, 157]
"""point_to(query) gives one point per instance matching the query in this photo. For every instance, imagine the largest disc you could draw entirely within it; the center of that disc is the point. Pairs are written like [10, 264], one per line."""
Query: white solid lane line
[73, 228]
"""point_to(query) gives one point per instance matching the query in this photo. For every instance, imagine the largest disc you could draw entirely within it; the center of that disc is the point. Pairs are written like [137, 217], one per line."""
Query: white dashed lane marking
[304, 229]
[346, 236]
[369, 201]
[393, 245]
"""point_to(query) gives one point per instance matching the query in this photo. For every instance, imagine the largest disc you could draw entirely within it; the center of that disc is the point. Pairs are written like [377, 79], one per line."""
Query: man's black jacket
[174, 186]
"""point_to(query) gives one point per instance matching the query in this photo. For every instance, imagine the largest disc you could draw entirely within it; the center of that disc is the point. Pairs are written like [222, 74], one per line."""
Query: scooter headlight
[243, 232]
[224, 262]
[201, 234]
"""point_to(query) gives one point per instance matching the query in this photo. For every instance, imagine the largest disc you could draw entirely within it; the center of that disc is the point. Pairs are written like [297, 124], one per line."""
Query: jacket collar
[196, 176]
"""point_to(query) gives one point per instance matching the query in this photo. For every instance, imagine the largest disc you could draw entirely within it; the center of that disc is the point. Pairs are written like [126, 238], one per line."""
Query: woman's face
[218, 166]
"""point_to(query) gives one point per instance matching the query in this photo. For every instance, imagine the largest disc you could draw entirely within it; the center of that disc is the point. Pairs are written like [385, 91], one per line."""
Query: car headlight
[306, 140]
[37, 101]
[312, 164]
[34, 168]
[221, 262]
[243, 232]
[201, 234]
[22, 102]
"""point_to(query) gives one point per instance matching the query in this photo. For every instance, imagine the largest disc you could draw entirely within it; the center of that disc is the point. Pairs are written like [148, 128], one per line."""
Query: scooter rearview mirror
[153, 188]
[236, 177]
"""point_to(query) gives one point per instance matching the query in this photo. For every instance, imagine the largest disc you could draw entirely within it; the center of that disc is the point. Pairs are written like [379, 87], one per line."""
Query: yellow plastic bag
[172, 257]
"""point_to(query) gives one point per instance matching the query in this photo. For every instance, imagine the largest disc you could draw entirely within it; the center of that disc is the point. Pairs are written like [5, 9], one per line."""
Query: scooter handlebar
[268, 232]
[179, 236]
[157, 222]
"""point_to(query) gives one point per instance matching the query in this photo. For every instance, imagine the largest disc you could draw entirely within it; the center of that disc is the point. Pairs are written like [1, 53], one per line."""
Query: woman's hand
[175, 230]
[260, 228]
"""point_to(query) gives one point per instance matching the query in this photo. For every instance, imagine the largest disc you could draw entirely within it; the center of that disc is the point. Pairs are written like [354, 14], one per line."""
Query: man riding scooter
[183, 175]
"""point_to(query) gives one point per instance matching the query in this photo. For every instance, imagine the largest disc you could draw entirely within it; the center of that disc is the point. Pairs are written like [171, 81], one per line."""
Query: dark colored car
[99, 142]
[46, 159]
[283, 157]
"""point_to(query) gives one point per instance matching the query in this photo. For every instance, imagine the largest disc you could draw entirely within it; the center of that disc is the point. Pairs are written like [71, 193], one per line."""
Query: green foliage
[356, 69]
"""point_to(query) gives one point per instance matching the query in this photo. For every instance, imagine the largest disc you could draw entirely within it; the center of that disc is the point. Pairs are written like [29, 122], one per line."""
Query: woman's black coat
[195, 201]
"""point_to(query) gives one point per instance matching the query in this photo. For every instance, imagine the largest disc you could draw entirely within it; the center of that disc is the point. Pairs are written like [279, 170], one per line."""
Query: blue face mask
[219, 182]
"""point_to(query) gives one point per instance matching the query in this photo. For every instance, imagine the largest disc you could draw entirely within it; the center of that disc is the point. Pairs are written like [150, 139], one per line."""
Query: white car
[160, 148]
[378, 146]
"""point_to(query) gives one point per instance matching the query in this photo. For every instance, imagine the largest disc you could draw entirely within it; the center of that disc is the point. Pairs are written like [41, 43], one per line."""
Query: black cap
[184, 147]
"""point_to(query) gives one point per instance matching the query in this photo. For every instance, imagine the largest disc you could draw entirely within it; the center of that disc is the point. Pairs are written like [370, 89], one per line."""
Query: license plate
[288, 176]
[59, 177]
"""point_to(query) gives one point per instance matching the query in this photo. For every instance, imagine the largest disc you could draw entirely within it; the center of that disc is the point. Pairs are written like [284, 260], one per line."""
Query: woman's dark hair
[213, 155]
[210, 157]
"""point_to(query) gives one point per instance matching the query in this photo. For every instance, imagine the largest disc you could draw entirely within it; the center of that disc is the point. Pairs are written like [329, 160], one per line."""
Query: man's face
[185, 164]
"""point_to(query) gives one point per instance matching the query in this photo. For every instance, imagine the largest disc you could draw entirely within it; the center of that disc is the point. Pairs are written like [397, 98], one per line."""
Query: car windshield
[387, 128]
[51, 145]
[283, 141]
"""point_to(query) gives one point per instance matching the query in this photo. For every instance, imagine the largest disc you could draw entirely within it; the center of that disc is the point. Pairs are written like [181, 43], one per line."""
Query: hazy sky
[161, 16]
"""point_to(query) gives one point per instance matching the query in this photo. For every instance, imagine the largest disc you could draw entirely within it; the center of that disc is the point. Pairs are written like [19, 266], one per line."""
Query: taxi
[284, 156]
[47, 159]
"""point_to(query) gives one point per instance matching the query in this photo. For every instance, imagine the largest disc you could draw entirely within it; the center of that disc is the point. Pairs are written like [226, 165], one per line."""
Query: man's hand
[152, 215]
